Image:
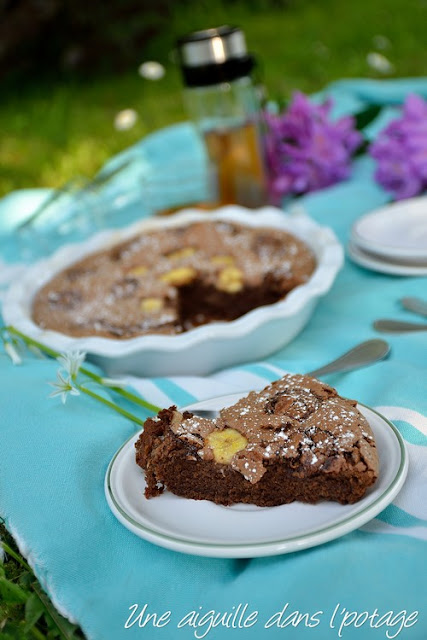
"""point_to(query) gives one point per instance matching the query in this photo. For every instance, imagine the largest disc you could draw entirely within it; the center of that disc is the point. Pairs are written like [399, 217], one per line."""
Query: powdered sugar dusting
[128, 290]
[296, 418]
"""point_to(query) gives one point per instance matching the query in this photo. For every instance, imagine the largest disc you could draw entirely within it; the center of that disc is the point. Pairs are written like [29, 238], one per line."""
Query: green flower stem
[89, 374]
[125, 394]
[112, 405]
[30, 341]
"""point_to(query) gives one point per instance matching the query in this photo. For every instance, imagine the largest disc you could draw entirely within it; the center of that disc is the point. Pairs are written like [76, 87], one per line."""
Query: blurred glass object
[178, 186]
[223, 102]
[56, 218]
[124, 192]
[70, 214]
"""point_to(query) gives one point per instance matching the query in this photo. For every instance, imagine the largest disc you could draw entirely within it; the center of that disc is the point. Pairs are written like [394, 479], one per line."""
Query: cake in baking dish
[295, 440]
[170, 280]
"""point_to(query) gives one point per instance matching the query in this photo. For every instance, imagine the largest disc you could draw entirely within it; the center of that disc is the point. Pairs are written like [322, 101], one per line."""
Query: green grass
[53, 131]
[25, 609]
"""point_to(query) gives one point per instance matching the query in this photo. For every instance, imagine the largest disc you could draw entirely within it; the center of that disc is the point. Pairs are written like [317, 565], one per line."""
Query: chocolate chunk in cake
[172, 280]
[295, 440]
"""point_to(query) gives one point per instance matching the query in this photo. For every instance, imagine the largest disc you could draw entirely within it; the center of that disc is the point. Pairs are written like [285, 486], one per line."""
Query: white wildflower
[379, 62]
[151, 70]
[12, 353]
[125, 119]
[63, 387]
[71, 362]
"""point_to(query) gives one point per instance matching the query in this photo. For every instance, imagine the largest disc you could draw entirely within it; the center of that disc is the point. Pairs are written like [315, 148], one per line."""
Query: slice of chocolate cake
[295, 440]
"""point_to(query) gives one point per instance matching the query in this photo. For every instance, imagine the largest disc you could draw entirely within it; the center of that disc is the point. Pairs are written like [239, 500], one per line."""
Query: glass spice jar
[222, 101]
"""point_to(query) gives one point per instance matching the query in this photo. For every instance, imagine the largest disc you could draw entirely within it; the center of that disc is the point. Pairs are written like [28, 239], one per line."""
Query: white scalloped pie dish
[204, 349]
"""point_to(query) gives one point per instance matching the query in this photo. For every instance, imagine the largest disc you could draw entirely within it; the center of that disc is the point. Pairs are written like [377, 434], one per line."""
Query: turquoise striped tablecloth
[54, 457]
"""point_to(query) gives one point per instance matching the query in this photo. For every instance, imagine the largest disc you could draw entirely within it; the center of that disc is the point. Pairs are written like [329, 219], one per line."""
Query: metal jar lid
[215, 55]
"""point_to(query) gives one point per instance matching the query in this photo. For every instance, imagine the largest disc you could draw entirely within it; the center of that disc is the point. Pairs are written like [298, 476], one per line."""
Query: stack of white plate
[392, 239]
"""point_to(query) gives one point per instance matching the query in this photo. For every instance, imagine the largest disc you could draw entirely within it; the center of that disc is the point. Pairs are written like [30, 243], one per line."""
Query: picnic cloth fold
[53, 460]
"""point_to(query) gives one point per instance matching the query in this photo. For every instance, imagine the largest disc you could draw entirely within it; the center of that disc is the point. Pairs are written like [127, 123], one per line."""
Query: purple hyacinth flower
[306, 150]
[401, 151]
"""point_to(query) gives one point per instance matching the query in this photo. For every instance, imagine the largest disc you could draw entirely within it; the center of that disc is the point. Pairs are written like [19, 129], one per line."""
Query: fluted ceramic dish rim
[322, 240]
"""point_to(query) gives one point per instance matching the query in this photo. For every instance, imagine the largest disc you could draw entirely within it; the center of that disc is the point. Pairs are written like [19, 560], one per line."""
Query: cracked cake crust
[297, 439]
[171, 280]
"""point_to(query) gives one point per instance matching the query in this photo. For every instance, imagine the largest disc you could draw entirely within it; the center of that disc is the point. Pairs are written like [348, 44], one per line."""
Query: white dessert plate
[376, 263]
[203, 528]
[397, 231]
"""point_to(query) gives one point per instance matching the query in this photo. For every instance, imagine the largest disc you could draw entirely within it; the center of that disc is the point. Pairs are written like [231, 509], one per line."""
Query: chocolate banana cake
[171, 280]
[295, 440]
